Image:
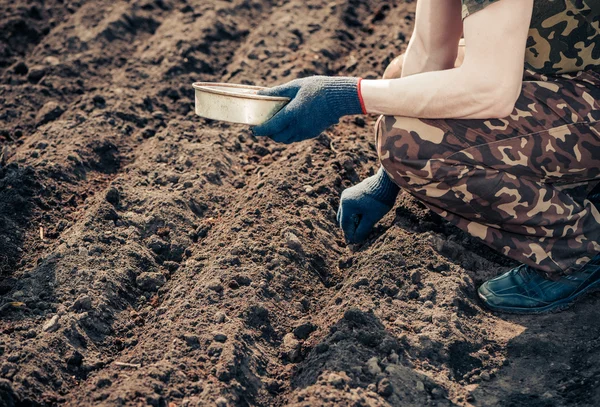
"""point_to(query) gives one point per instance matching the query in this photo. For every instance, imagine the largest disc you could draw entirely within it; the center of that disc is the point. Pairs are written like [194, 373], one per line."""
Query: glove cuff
[383, 188]
[343, 96]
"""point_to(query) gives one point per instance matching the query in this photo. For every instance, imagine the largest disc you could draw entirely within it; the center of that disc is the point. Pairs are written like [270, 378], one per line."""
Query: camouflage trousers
[522, 183]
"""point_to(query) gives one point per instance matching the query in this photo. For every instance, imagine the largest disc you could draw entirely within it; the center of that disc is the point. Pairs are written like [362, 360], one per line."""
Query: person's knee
[394, 69]
[409, 148]
[394, 145]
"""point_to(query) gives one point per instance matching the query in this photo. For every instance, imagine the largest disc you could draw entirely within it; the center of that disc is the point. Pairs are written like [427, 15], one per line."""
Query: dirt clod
[149, 281]
[384, 387]
[83, 303]
[49, 112]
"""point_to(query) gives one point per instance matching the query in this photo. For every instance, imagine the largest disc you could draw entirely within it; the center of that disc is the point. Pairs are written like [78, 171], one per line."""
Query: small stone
[83, 303]
[292, 241]
[485, 376]
[420, 386]
[289, 341]
[373, 366]
[112, 196]
[220, 317]
[49, 112]
[385, 388]
[309, 189]
[291, 347]
[219, 337]
[150, 281]
[416, 277]
[303, 331]
[215, 285]
[221, 402]
[428, 304]
[335, 380]
[51, 60]
[52, 324]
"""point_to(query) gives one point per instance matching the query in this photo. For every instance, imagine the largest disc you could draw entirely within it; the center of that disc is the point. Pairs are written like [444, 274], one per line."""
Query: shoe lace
[526, 272]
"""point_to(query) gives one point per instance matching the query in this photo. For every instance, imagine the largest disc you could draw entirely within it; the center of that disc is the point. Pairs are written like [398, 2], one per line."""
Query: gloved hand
[364, 204]
[317, 103]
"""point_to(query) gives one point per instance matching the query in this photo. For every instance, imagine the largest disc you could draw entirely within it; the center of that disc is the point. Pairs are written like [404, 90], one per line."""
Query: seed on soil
[52, 325]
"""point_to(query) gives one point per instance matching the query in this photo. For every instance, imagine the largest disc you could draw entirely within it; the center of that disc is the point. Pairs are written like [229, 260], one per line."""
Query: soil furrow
[187, 262]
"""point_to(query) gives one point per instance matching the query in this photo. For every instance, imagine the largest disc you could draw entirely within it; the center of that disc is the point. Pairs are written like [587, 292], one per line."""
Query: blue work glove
[364, 204]
[317, 102]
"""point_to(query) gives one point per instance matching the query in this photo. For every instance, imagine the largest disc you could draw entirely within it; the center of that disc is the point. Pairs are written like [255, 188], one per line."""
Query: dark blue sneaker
[523, 290]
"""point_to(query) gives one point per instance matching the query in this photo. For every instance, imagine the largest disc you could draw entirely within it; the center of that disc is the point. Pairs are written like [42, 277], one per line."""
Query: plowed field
[151, 257]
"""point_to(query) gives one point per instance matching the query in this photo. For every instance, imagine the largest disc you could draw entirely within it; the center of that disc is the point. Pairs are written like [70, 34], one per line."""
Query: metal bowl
[235, 103]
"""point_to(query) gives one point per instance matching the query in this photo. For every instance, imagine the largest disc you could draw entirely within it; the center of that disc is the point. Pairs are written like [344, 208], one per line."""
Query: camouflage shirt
[564, 35]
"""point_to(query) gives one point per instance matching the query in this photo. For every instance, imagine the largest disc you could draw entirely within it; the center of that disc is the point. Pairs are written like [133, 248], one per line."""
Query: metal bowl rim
[203, 86]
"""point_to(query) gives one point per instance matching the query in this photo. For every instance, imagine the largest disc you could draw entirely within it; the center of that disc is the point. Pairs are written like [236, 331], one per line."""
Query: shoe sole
[557, 306]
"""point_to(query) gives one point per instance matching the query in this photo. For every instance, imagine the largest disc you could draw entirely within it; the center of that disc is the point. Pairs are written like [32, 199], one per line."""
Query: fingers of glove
[276, 124]
[348, 221]
[288, 135]
[364, 228]
[287, 91]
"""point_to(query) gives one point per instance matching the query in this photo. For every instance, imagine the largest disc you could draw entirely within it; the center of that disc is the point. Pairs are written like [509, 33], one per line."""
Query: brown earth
[151, 257]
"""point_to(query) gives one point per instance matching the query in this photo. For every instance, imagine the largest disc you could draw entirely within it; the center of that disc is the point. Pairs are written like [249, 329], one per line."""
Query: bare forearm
[485, 86]
[449, 93]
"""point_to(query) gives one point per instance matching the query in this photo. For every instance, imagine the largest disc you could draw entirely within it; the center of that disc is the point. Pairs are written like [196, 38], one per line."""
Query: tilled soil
[151, 257]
